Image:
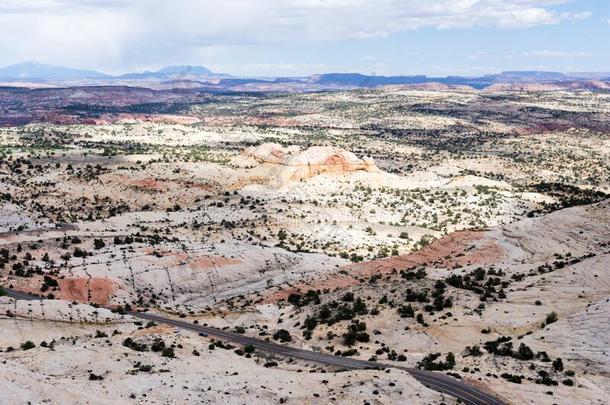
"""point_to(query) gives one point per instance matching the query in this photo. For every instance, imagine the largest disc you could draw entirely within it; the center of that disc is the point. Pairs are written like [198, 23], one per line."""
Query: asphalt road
[437, 381]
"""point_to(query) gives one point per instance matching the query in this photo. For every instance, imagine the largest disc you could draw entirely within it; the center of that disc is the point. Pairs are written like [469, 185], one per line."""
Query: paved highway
[436, 381]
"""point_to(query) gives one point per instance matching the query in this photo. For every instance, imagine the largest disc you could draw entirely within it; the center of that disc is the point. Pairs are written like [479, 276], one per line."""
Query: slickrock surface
[446, 228]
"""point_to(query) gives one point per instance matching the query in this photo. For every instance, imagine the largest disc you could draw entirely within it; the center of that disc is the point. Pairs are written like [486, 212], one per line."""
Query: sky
[303, 37]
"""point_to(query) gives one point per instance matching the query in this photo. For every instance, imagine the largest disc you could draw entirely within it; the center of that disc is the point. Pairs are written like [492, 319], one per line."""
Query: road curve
[436, 381]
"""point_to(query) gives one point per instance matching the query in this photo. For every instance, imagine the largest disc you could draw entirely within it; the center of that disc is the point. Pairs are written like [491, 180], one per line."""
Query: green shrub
[550, 318]
[282, 335]
[168, 352]
[428, 362]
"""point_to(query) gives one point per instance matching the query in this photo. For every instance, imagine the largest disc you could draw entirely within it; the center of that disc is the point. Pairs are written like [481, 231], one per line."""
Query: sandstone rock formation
[323, 159]
[314, 161]
[270, 153]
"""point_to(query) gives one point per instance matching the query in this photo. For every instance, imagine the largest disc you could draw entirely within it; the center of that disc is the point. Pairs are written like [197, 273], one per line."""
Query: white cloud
[576, 16]
[478, 55]
[547, 53]
[134, 33]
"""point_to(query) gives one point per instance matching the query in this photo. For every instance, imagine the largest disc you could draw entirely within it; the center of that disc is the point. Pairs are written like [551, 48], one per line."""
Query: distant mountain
[188, 76]
[186, 69]
[509, 77]
[34, 71]
[525, 76]
[360, 80]
[40, 71]
[180, 72]
[590, 75]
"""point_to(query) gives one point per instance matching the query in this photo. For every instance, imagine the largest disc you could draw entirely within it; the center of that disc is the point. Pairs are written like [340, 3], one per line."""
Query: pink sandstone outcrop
[298, 165]
[324, 159]
[96, 290]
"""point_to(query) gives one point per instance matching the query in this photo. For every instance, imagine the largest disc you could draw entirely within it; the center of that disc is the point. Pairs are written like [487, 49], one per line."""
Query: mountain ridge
[194, 76]
[48, 72]
[43, 71]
